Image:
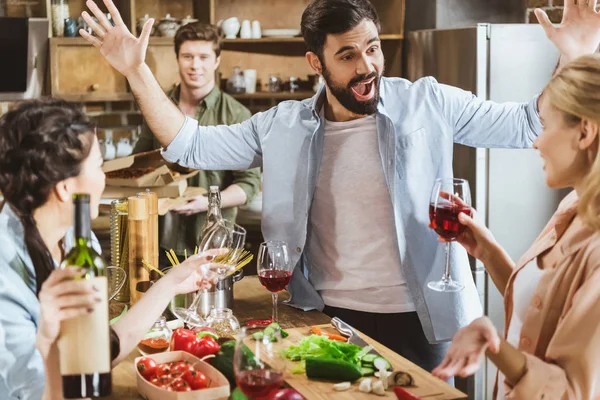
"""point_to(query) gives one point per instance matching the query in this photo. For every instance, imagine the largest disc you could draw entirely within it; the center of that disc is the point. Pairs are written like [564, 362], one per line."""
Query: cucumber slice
[381, 363]
[367, 371]
[368, 358]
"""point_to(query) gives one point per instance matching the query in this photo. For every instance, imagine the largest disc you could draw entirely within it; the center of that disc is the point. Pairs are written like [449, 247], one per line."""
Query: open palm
[579, 30]
[119, 47]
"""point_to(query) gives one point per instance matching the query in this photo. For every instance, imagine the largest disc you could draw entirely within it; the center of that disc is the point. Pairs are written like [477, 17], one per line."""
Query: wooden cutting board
[426, 385]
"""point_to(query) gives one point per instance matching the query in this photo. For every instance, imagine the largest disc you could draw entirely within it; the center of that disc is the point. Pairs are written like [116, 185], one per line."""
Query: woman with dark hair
[48, 152]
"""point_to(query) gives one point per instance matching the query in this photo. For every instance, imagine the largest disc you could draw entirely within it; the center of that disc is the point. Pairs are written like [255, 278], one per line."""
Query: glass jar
[236, 82]
[60, 12]
[157, 339]
[119, 244]
[223, 322]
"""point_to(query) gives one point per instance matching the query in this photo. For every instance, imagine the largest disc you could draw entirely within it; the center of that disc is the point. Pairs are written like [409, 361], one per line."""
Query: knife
[353, 337]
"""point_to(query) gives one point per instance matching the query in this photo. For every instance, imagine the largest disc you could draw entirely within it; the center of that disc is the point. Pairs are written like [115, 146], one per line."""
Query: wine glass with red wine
[274, 269]
[258, 367]
[449, 198]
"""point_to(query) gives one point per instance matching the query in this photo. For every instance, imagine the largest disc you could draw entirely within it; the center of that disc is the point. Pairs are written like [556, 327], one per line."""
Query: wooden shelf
[169, 40]
[301, 95]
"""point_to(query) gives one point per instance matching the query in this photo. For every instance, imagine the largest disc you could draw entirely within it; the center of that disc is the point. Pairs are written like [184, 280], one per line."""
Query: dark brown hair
[324, 17]
[42, 142]
[198, 31]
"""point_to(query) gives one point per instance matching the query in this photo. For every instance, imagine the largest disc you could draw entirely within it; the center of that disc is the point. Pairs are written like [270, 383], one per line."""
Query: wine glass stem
[447, 268]
[274, 316]
[194, 306]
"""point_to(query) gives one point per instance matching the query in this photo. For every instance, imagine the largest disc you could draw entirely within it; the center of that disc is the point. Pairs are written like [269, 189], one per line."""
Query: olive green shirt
[179, 232]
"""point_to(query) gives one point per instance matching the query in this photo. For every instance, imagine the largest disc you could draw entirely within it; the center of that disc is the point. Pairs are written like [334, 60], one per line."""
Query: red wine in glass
[274, 280]
[259, 384]
[444, 219]
[449, 198]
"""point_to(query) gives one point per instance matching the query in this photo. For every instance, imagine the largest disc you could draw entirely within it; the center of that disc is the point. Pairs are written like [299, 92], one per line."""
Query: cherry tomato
[147, 367]
[182, 367]
[196, 379]
[179, 385]
[162, 381]
[155, 381]
[163, 370]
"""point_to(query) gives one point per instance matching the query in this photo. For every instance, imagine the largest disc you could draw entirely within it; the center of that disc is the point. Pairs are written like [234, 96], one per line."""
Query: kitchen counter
[252, 301]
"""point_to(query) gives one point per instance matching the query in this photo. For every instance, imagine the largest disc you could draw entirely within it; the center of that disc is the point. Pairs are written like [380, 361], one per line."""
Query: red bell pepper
[402, 394]
[187, 340]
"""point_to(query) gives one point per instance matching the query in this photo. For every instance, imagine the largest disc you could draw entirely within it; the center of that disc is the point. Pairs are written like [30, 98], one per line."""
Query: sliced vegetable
[340, 387]
[368, 359]
[318, 331]
[402, 394]
[270, 332]
[367, 371]
[381, 363]
[333, 370]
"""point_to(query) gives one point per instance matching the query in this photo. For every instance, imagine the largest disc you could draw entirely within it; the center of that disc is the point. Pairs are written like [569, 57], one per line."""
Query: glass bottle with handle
[84, 341]
[213, 214]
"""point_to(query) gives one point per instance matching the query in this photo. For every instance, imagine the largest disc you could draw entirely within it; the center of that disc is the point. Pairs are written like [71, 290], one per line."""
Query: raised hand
[468, 348]
[120, 48]
[579, 31]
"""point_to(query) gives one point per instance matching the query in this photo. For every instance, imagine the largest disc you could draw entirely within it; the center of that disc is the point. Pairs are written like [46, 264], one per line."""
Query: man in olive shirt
[198, 48]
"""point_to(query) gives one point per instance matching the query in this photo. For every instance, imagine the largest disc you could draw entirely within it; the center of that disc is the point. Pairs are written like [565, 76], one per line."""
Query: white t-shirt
[525, 283]
[352, 241]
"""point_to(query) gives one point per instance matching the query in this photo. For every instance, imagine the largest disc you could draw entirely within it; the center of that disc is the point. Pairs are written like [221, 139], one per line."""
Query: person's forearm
[132, 327]
[162, 116]
[53, 384]
[233, 196]
[510, 361]
[499, 265]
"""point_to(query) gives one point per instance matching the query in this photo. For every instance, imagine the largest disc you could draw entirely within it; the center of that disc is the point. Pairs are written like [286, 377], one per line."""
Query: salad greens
[315, 346]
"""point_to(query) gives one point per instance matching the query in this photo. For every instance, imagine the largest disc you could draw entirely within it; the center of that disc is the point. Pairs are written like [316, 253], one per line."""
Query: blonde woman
[552, 295]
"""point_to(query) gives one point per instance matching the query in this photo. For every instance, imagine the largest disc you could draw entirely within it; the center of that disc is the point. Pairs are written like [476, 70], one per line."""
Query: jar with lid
[236, 82]
[157, 339]
[60, 12]
[223, 322]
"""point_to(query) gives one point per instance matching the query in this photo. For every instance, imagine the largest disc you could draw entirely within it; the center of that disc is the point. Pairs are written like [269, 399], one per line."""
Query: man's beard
[345, 96]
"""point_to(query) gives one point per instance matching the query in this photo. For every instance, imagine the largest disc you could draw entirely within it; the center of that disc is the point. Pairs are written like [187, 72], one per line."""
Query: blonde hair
[575, 91]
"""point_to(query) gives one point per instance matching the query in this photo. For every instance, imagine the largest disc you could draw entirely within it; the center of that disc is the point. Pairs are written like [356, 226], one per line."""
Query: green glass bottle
[84, 341]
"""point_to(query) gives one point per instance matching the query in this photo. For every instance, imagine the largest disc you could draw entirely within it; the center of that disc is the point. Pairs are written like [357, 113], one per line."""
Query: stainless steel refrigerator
[498, 62]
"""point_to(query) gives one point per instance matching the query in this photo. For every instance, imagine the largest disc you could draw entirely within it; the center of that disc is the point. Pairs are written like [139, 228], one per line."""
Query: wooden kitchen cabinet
[78, 72]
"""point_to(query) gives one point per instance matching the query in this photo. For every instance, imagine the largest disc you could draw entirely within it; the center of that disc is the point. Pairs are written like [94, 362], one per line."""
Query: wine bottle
[214, 210]
[84, 341]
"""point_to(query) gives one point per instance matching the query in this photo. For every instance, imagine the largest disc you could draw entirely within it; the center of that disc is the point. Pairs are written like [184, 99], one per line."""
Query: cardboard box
[159, 173]
[165, 204]
[219, 386]
[174, 190]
